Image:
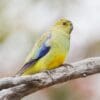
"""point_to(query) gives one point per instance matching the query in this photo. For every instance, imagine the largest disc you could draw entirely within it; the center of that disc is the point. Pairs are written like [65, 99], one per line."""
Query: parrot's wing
[40, 49]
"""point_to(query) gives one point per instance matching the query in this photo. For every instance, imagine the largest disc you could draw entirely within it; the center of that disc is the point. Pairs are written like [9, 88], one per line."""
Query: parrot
[50, 50]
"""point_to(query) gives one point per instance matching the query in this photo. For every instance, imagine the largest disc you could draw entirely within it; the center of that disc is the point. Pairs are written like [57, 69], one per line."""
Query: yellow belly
[56, 62]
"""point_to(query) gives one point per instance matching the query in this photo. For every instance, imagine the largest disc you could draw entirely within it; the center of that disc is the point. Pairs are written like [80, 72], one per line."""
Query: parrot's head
[64, 26]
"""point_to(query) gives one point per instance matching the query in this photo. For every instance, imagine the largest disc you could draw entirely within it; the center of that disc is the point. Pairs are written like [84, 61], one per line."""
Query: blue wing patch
[43, 51]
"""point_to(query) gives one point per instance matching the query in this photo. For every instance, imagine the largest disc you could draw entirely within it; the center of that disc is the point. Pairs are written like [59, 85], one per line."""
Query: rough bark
[14, 88]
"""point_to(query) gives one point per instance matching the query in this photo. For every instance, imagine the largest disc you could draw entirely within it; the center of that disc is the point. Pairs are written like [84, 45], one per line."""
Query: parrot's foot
[65, 65]
[49, 74]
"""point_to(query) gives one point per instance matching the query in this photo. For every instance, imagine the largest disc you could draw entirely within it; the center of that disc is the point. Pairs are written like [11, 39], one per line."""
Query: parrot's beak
[71, 26]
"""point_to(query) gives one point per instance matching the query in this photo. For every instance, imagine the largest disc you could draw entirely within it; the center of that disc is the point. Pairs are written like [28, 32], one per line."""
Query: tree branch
[14, 88]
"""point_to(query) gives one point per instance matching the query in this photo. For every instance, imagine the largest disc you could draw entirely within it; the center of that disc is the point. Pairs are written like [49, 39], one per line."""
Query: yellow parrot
[50, 50]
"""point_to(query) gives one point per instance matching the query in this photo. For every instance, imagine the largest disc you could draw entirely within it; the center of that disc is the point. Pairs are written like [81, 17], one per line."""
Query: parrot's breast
[59, 51]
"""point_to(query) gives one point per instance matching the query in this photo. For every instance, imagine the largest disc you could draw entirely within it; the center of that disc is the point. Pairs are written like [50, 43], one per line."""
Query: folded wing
[40, 49]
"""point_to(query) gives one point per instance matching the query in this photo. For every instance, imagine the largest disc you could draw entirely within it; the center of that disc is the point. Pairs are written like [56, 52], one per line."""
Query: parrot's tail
[26, 66]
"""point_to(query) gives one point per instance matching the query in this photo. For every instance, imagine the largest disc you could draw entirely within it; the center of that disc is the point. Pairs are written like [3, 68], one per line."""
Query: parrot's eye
[64, 23]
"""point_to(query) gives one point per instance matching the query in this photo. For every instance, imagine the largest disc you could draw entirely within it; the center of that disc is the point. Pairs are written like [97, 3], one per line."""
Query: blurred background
[23, 21]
